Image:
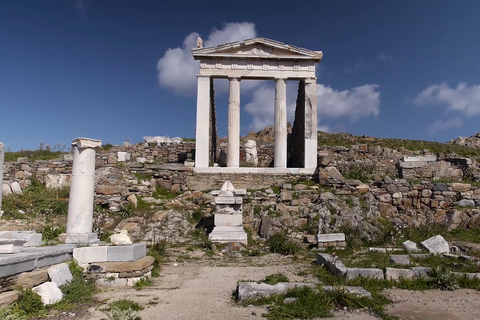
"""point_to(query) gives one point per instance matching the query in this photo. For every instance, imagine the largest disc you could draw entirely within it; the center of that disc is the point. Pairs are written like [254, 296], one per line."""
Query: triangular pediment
[257, 48]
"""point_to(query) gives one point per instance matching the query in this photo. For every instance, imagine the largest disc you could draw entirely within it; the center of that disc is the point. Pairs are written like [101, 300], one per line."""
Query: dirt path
[202, 289]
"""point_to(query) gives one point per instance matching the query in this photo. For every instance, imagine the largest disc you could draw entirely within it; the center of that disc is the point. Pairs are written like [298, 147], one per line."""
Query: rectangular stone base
[228, 234]
[32, 238]
[11, 246]
[331, 240]
[79, 238]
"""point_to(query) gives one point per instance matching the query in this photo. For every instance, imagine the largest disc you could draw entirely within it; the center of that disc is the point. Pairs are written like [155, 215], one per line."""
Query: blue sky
[116, 70]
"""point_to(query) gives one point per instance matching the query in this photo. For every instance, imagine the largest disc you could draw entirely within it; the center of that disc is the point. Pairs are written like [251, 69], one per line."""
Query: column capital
[83, 143]
[279, 79]
[234, 79]
[310, 80]
[203, 76]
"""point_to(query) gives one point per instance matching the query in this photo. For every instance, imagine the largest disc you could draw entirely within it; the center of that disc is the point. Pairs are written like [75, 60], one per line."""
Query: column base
[79, 238]
[228, 234]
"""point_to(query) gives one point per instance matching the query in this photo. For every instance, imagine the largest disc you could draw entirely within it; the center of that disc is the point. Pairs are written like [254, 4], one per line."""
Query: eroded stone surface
[436, 244]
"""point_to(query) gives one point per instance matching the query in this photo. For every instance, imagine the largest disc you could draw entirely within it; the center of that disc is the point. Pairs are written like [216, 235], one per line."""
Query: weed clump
[273, 279]
[443, 278]
[28, 304]
[143, 282]
[159, 252]
[279, 243]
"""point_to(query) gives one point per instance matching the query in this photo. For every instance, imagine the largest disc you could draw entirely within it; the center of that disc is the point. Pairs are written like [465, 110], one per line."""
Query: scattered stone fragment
[436, 244]
[401, 259]
[121, 239]
[397, 274]
[49, 292]
[357, 290]
[60, 274]
[383, 250]
[411, 246]
[374, 273]
[253, 290]
[421, 272]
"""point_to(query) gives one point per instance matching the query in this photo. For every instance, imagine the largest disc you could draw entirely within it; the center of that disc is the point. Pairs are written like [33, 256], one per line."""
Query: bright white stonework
[80, 204]
[228, 215]
[255, 59]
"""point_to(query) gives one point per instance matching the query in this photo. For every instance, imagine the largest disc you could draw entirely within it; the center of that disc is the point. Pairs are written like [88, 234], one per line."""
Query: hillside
[467, 147]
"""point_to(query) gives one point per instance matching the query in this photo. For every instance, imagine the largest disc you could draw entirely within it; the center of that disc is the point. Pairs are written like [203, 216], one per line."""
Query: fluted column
[82, 188]
[311, 123]
[280, 112]
[233, 135]
[202, 129]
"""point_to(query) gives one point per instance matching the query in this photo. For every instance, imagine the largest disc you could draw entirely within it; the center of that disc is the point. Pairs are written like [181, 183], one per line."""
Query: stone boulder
[436, 244]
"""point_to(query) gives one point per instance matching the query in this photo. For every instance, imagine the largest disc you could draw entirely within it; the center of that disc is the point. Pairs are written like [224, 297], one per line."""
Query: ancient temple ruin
[257, 59]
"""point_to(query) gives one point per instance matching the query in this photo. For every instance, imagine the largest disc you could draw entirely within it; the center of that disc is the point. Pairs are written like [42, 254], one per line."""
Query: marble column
[80, 203]
[233, 134]
[280, 112]
[311, 123]
[2, 160]
[202, 129]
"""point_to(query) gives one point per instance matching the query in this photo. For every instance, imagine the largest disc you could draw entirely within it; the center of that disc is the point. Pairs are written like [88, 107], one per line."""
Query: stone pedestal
[228, 215]
[80, 204]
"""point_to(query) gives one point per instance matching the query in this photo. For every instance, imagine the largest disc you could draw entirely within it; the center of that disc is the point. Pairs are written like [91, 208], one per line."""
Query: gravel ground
[202, 289]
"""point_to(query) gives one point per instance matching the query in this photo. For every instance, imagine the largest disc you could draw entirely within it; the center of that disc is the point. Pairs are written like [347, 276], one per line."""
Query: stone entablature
[255, 59]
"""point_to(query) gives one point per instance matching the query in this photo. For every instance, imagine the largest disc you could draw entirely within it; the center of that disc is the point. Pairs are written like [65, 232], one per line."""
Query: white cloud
[261, 107]
[359, 102]
[464, 99]
[177, 69]
[324, 129]
[356, 103]
[440, 125]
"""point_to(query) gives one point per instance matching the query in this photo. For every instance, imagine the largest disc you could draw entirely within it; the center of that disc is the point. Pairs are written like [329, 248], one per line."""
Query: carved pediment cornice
[257, 48]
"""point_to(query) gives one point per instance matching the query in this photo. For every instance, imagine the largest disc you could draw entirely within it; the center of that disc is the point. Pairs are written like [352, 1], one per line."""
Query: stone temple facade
[257, 59]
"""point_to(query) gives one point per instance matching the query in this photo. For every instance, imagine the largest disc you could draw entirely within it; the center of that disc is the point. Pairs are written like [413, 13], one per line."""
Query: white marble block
[228, 215]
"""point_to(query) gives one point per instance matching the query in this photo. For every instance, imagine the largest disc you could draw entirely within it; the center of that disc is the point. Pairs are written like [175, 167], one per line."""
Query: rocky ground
[201, 287]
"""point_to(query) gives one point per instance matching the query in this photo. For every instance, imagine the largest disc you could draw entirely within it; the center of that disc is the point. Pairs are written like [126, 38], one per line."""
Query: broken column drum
[80, 205]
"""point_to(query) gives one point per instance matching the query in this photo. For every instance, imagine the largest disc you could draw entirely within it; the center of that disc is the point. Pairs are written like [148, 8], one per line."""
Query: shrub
[29, 304]
[279, 243]
[50, 233]
[78, 290]
[442, 278]
[116, 313]
[273, 279]
[158, 251]
[360, 172]
[125, 304]
[143, 282]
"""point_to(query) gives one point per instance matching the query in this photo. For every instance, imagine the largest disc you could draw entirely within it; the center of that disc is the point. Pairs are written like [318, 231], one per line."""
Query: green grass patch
[158, 251]
[161, 193]
[33, 155]
[142, 283]
[275, 278]
[279, 243]
[36, 199]
[125, 304]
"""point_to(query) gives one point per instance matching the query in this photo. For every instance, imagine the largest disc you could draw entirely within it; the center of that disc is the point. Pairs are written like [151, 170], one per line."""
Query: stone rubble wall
[153, 165]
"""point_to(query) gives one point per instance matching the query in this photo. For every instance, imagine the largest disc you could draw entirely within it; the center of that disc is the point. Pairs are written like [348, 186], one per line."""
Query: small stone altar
[228, 215]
